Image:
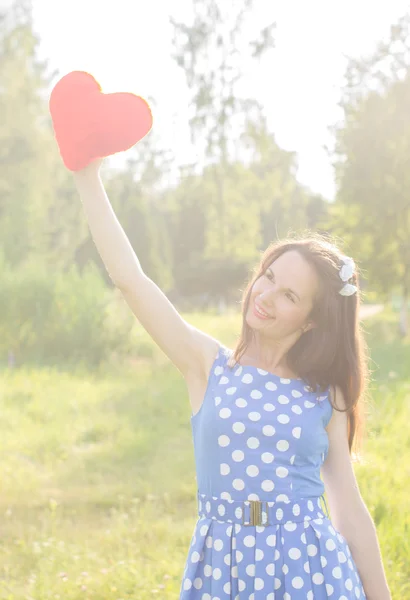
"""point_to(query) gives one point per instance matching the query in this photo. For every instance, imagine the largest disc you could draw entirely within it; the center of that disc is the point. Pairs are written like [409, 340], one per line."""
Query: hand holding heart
[90, 125]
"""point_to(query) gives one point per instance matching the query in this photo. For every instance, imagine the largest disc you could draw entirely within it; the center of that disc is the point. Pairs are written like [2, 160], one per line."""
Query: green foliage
[57, 318]
[98, 475]
[372, 211]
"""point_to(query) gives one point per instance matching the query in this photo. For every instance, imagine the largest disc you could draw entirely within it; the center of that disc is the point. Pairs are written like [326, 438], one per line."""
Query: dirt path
[369, 310]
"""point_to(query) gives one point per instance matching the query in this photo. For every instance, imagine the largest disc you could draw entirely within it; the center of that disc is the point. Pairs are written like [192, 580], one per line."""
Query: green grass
[97, 473]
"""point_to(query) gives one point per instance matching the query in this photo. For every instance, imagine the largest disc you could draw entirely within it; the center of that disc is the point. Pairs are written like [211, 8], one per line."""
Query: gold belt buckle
[255, 513]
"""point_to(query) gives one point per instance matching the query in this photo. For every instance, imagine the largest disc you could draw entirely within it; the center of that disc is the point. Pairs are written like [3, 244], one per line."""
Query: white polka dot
[241, 402]
[270, 569]
[250, 570]
[279, 514]
[282, 445]
[207, 573]
[259, 554]
[296, 510]
[218, 544]
[203, 530]
[271, 540]
[296, 394]
[296, 409]
[223, 380]
[198, 583]
[238, 371]
[271, 386]
[253, 443]
[282, 472]
[224, 440]
[256, 394]
[238, 427]
[230, 391]
[318, 578]
[311, 550]
[330, 545]
[218, 400]
[297, 583]
[224, 469]
[268, 407]
[341, 556]
[337, 572]
[283, 399]
[225, 413]
[349, 584]
[195, 557]
[296, 432]
[238, 455]
[254, 416]
[227, 588]
[309, 404]
[306, 567]
[238, 484]
[187, 584]
[268, 430]
[267, 457]
[283, 419]
[218, 371]
[217, 573]
[221, 509]
[249, 541]
[295, 553]
[247, 378]
[252, 470]
[259, 583]
[267, 485]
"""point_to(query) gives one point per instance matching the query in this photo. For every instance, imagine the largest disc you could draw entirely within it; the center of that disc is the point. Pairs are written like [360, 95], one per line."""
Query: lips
[265, 311]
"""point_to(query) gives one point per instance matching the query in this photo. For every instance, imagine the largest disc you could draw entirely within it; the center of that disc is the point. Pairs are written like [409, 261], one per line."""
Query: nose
[267, 297]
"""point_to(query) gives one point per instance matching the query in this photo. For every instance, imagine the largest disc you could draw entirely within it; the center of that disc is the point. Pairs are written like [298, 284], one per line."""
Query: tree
[212, 49]
[372, 154]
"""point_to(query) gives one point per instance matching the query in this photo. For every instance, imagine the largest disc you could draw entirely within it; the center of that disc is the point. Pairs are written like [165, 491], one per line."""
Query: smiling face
[286, 292]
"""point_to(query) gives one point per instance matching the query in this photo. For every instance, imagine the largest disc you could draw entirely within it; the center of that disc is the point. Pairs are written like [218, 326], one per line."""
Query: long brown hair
[335, 351]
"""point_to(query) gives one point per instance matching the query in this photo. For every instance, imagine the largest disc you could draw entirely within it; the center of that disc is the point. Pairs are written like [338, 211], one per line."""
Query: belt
[261, 512]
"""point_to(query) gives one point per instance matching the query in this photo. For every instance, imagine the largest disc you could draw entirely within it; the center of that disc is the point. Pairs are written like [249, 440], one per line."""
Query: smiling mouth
[260, 312]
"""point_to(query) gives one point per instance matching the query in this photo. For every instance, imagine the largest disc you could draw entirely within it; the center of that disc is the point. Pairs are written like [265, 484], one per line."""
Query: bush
[61, 318]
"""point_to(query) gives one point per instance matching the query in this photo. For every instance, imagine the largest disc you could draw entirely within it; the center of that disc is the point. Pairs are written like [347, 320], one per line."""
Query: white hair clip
[345, 274]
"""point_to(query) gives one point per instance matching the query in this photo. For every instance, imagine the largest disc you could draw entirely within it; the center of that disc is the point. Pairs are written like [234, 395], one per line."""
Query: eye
[291, 297]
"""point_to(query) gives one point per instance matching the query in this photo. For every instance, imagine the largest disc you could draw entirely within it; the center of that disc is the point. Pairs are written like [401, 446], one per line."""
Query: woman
[267, 419]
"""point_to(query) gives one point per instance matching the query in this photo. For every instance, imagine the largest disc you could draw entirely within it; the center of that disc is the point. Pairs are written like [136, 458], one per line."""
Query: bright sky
[125, 45]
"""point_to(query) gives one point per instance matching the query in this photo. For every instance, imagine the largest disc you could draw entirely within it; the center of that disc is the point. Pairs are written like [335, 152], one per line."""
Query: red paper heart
[89, 124]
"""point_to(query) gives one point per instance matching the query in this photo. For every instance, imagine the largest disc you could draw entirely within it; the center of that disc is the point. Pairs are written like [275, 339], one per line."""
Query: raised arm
[186, 346]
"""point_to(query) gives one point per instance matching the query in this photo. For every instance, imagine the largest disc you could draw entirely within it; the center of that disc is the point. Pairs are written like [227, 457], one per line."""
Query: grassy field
[97, 473]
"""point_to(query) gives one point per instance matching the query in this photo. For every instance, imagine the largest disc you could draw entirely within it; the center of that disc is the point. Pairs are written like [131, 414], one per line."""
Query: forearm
[365, 549]
[109, 237]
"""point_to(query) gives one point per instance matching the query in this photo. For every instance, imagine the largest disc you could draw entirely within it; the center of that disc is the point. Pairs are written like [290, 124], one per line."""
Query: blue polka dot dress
[262, 532]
